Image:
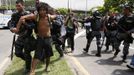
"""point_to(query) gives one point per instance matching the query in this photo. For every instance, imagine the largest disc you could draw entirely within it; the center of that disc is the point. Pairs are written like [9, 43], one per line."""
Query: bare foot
[32, 73]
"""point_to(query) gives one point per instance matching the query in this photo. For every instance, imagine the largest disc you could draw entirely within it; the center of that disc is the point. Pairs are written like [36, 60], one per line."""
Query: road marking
[4, 62]
[77, 63]
[81, 68]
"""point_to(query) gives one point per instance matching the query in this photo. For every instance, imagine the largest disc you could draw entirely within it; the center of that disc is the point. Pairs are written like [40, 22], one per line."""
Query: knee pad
[21, 55]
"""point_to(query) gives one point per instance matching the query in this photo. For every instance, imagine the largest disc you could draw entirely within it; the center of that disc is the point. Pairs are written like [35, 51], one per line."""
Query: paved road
[5, 47]
[104, 65]
[94, 65]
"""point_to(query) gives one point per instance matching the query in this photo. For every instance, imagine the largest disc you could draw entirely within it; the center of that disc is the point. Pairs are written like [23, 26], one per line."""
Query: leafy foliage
[7, 7]
[28, 3]
[115, 5]
[63, 10]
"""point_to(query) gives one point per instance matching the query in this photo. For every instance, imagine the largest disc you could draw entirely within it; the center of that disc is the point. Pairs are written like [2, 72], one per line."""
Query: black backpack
[58, 21]
[56, 25]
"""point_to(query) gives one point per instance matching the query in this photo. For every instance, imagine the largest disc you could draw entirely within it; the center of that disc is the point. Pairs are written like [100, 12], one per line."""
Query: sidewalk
[4, 65]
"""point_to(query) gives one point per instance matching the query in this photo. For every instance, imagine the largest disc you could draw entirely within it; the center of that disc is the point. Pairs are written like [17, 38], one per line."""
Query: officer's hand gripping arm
[22, 20]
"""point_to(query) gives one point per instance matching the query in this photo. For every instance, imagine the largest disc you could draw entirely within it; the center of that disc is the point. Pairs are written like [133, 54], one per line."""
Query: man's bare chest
[43, 22]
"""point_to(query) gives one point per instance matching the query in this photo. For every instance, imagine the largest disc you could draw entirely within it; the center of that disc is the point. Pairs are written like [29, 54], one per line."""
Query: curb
[4, 65]
[75, 66]
[73, 63]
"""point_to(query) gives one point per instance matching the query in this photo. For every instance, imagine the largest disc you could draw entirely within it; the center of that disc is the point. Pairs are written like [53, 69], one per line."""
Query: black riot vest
[15, 18]
[126, 23]
[110, 24]
[25, 30]
[96, 24]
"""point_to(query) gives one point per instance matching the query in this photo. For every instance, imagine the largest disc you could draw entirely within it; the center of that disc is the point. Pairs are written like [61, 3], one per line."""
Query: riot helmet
[127, 7]
[96, 14]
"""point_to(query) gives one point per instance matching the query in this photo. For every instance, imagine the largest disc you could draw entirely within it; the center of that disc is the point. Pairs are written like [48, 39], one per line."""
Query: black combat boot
[85, 50]
[130, 66]
[107, 48]
[98, 52]
[59, 49]
[124, 57]
[113, 49]
[20, 55]
[116, 53]
[28, 67]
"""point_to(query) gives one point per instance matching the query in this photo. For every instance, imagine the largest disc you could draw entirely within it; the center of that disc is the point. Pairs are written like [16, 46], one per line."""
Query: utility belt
[25, 34]
[124, 36]
[41, 37]
[93, 33]
[111, 33]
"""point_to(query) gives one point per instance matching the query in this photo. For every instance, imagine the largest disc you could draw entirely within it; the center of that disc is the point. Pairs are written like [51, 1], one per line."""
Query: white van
[4, 20]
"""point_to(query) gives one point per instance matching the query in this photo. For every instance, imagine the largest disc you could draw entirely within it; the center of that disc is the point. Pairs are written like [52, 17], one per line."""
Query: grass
[57, 67]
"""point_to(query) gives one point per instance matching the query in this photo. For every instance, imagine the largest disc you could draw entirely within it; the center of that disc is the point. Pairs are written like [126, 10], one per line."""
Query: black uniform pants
[23, 48]
[123, 37]
[93, 34]
[110, 38]
[58, 43]
[71, 38]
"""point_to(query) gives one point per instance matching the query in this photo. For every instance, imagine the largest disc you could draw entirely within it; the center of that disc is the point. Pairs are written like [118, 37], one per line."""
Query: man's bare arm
[28, 17]
[76, 25]
[22, 20]
[66, 21]
[52, 17]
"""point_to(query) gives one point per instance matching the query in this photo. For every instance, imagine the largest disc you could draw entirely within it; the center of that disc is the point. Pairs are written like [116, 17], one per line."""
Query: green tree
[115, 5]
[63, 10]
[29, 4]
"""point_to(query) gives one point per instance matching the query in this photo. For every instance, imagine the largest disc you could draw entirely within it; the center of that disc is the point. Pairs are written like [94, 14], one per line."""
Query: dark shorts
[44, 48]
[30, 43]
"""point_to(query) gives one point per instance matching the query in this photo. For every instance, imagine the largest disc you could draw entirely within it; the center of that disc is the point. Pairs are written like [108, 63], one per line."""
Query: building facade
[7, 2]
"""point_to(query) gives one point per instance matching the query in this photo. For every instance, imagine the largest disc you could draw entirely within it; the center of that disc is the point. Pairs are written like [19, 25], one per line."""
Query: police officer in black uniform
[95, 32]
[25, 39]
[56, 32]
[125, 30]
[110, 30]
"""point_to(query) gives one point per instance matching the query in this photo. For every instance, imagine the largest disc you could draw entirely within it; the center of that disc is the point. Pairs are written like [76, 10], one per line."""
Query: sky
[74, 4]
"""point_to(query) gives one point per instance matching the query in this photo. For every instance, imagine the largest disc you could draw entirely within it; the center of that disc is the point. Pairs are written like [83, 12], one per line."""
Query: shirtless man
[44, 48]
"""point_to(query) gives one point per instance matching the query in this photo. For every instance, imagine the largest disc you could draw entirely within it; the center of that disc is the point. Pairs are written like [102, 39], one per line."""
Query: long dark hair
[46, 6]
[42, 5]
